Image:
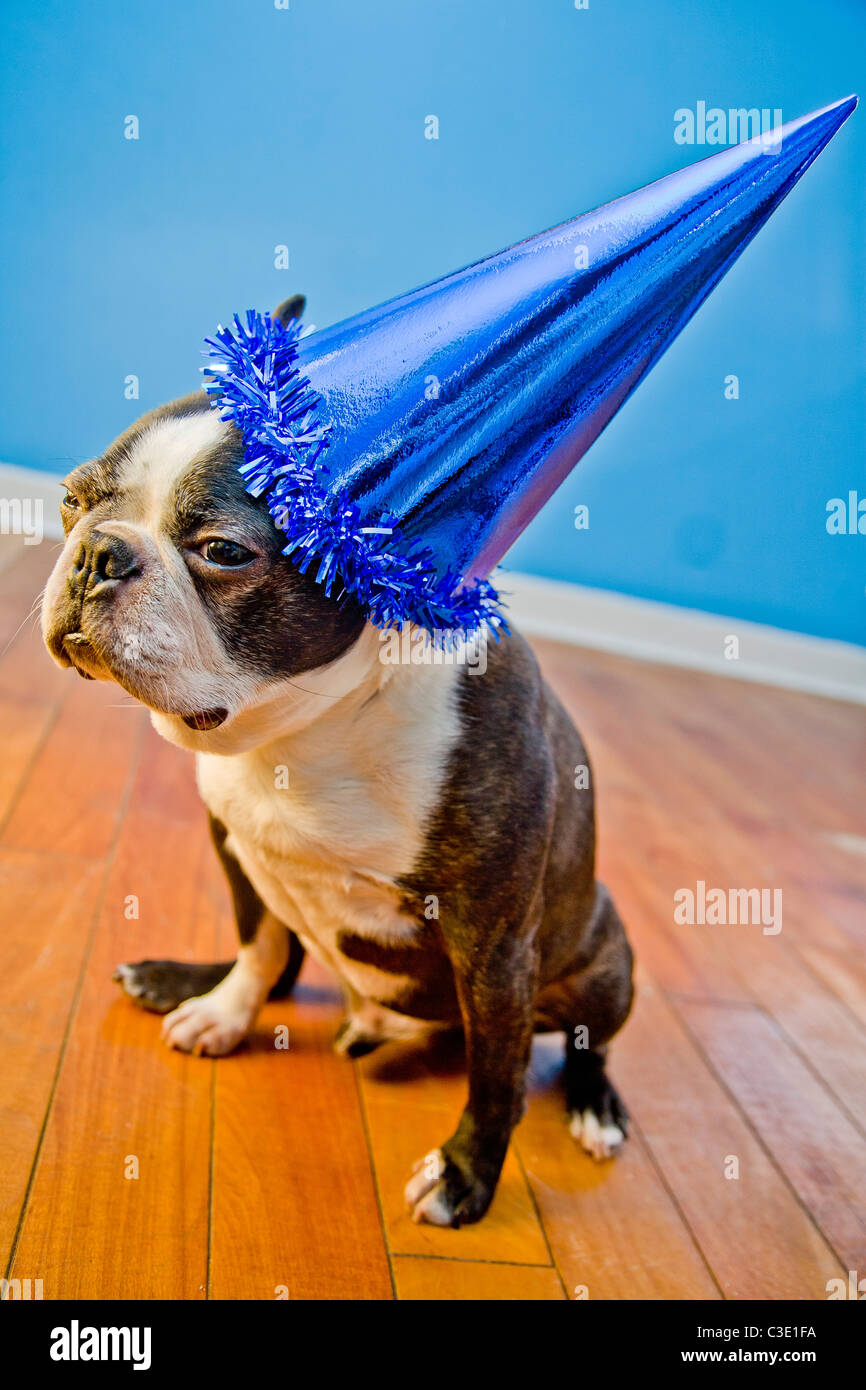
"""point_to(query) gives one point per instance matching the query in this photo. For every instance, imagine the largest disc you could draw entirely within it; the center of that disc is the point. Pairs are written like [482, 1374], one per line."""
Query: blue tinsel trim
[260, 389]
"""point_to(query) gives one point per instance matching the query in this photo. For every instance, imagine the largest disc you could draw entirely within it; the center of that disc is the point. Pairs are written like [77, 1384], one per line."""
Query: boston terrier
[422, 828]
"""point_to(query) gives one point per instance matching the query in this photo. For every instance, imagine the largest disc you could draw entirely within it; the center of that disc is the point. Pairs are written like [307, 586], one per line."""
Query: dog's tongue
[206, 719]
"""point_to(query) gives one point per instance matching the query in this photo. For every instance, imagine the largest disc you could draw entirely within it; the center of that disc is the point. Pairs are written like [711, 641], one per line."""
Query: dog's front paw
[441, 1193]
[209, 1026]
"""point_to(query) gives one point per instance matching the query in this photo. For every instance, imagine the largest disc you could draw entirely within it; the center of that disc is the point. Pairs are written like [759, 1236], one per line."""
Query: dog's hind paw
[598, 1117]
[600, 1137]
[353, 1040]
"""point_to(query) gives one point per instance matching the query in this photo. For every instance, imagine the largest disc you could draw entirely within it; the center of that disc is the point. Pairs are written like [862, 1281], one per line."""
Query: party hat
[405, 449]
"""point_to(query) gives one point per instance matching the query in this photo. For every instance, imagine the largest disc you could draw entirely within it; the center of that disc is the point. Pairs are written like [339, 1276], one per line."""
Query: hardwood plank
[89, 1231]
[749, 966]
[820, 1028]
[294, 1201]
[30, 684]
[22, 730]
[820, 1152]
[613, 1228]
[753, 1233]
[770, 747]
[808, 744]
[843, 973]
[702, 732]
[783, 806]
[727, 962]
[440, 1281]
[47, 919]
[741, 964]
[828, 884]
[689, 959]
[69, 803]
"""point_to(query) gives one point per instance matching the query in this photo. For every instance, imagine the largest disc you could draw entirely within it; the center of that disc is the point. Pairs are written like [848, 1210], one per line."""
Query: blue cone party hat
[404, 450]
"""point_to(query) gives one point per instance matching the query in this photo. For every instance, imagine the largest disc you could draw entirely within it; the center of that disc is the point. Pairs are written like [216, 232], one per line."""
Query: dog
[419, 828]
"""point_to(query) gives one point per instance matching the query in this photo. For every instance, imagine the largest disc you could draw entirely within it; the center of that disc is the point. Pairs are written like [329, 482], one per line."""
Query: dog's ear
[289, 309]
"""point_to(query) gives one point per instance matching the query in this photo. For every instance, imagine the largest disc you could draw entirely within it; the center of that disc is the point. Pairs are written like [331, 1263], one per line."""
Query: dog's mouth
[205, 719]
[80, 653]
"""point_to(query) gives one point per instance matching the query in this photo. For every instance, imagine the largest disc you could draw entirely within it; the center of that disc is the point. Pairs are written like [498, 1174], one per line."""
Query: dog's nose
[113, 557]
[103, 558]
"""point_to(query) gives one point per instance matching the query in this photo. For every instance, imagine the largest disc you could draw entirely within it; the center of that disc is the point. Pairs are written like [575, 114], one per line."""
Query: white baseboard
[32, 485]
[612, 622]
[660, 632]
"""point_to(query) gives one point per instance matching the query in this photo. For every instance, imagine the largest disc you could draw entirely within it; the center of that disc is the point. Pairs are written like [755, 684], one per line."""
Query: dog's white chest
[324, 823]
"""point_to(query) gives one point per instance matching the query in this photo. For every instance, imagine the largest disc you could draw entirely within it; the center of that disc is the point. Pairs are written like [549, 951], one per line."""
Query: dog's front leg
[496, 987]
[165, 986]
[269, 959]
[213, 1024]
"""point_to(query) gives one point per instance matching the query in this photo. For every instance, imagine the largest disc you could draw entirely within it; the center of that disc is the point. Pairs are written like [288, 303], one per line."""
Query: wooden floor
[128, 1171]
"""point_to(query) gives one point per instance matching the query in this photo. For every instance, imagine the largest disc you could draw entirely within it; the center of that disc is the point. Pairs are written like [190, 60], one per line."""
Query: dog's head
[172, 583]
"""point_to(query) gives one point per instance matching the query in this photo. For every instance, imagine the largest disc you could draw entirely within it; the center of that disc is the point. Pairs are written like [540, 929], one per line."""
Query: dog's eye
[228, 554]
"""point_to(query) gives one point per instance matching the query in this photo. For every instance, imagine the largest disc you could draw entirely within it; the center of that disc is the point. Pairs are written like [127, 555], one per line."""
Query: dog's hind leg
[599, 1120]
[591, 1005]
[212, 1006]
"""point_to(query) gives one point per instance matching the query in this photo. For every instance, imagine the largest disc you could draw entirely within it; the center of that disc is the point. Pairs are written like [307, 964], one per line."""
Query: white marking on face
[160, 458]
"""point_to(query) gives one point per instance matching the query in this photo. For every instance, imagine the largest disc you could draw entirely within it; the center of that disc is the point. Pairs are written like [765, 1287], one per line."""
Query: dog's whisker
[326, 695]
[24, 621]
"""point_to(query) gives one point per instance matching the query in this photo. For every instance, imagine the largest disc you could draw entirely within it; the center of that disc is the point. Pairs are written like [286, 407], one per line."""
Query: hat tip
[824, 122]
[844, 106]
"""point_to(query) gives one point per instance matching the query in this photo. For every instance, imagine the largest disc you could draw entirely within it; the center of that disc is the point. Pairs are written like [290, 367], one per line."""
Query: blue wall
[306, 127]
